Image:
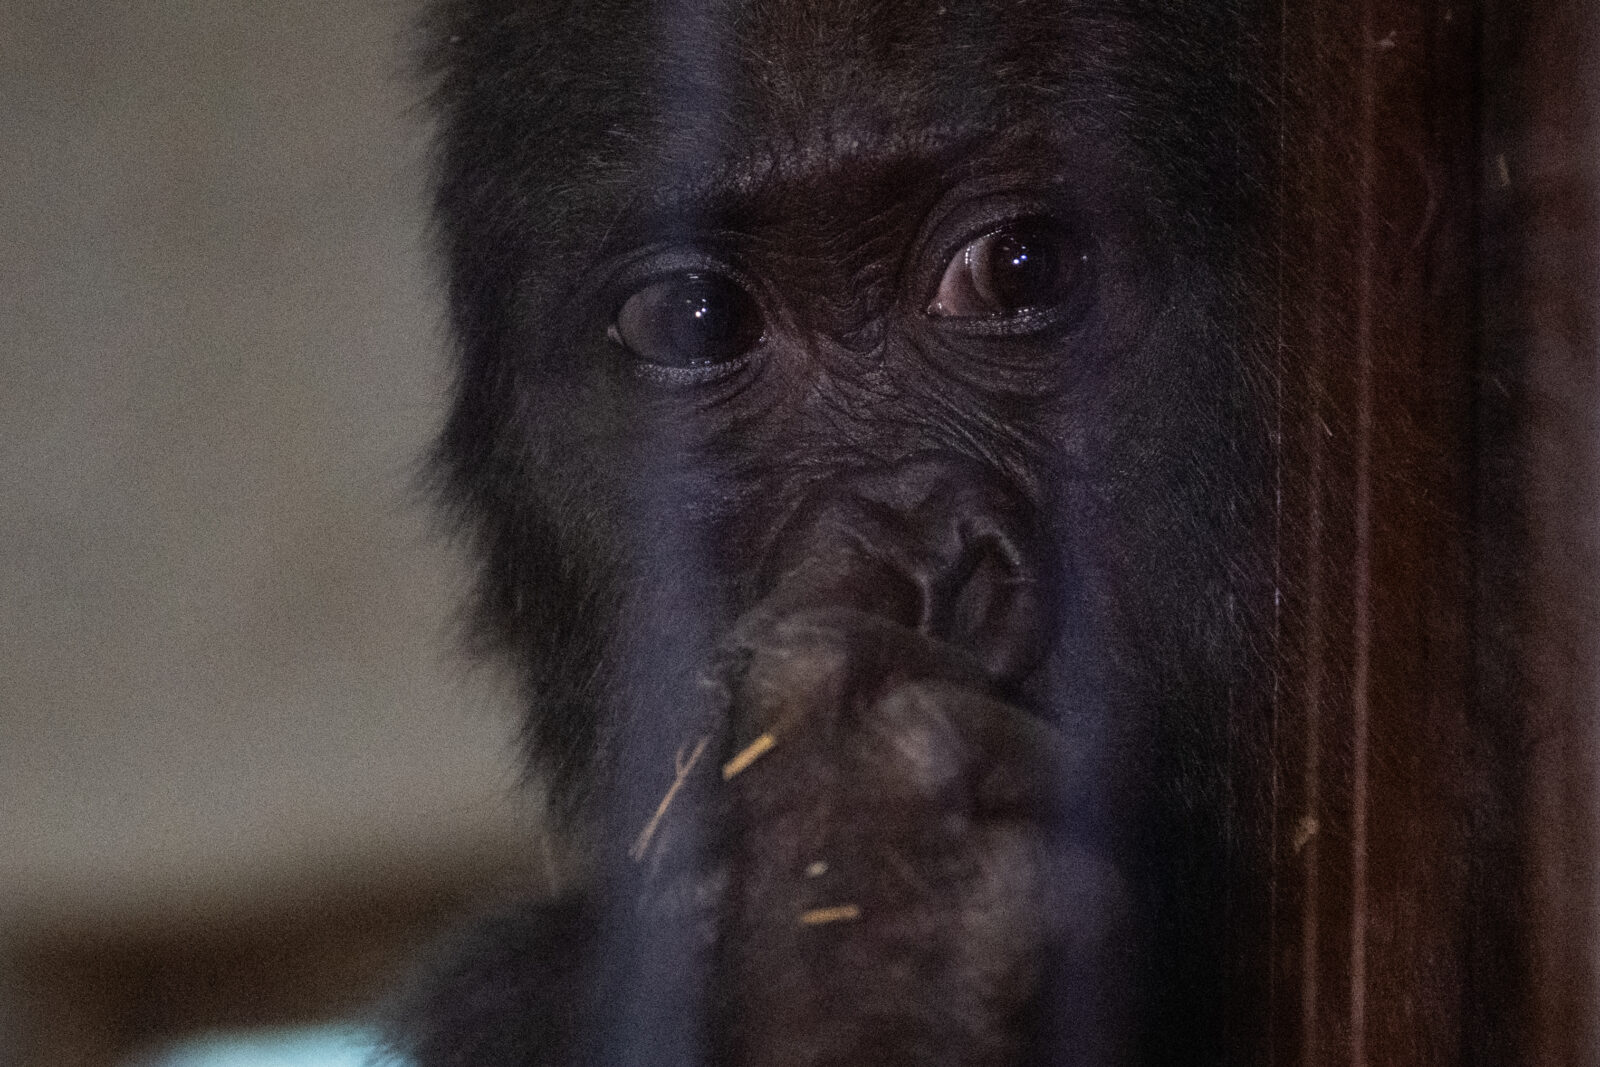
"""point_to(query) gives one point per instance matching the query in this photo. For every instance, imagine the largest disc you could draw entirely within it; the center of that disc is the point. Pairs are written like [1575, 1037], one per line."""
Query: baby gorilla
[860, 434]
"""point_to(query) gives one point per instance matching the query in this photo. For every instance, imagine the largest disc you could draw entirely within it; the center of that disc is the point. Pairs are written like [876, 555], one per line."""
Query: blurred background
[243, 776]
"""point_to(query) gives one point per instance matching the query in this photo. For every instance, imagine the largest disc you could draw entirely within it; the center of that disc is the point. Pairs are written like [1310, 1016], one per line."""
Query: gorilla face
[859, 429]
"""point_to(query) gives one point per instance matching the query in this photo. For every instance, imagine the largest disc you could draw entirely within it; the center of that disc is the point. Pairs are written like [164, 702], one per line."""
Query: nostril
[976, 595]
[990, 605]
[937, 544]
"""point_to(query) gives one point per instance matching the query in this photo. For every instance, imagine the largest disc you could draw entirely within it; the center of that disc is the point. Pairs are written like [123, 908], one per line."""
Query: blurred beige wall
[225, 655]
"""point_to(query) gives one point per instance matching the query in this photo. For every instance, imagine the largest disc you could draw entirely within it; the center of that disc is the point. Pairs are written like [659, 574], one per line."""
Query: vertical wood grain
[1377, 359]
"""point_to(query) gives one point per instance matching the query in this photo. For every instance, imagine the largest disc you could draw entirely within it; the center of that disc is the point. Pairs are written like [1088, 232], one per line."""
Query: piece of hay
[748, 755]
[839, 913]
[683, 767]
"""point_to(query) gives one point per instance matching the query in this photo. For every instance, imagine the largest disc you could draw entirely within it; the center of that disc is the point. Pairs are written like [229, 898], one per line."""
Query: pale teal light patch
[328, 1046]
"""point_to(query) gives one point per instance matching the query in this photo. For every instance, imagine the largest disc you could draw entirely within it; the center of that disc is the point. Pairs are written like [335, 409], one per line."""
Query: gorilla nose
[941, 544]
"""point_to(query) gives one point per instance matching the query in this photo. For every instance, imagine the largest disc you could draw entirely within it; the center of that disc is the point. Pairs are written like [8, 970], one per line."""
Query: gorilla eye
[688, 320]
[1027, 265]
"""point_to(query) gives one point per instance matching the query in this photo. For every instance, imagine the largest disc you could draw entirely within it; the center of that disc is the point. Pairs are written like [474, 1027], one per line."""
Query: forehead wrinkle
[741, 177]
[749, 92]
[725, 105]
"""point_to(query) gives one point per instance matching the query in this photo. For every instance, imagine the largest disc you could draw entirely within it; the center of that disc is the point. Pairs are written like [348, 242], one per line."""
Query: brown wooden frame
[1433, 819]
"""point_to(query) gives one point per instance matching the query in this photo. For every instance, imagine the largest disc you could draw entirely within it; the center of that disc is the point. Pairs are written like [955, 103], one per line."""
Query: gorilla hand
[890, 818]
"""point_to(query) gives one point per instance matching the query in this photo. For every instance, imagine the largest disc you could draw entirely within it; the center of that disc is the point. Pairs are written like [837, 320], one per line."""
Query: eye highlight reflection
[1026, 266]
[692, 319]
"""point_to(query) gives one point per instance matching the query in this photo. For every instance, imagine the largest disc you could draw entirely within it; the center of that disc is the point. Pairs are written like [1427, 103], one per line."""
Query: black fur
[1025, 783]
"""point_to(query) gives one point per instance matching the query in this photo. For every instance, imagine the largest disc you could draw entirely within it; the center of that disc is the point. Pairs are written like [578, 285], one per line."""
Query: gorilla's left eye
[689, 320]
[1025, 266]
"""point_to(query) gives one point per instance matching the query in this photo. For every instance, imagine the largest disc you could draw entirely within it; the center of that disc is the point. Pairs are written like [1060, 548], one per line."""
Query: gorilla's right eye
[688, 320]
[1031, 265]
